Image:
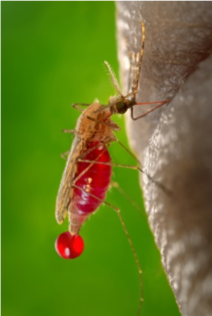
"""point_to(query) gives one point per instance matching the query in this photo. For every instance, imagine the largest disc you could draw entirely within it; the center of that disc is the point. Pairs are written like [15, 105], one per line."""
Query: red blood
[68, 246]
[95, 181]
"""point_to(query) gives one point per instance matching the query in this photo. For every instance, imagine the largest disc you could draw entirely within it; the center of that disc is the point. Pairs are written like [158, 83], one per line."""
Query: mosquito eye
[68, 246]
[121, 107]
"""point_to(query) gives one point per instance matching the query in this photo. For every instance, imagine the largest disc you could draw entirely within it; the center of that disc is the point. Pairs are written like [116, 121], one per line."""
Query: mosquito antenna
[113, 78]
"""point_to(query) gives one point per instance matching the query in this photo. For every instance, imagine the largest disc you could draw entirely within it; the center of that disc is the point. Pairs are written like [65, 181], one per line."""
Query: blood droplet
[68, 246]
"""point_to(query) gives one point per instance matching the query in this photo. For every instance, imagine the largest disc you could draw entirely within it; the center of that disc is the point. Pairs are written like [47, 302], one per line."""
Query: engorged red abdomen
[95, 180]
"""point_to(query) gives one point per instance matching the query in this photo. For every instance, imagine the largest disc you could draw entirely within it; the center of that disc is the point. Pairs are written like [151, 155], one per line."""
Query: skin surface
[174, 143]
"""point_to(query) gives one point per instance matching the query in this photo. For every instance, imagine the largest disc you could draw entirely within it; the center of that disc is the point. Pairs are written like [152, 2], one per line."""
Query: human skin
[174, 143]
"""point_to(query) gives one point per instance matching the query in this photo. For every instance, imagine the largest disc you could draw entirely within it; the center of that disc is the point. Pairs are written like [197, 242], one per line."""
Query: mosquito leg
[136, 260]
[64, 155]
[153, 102]
[75, 105]
[129, 240]
[127, 197]
[127, 150]
[149, 111]
[69, 131]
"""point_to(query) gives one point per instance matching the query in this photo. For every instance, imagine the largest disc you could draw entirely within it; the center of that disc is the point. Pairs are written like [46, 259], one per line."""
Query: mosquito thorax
[69, 246]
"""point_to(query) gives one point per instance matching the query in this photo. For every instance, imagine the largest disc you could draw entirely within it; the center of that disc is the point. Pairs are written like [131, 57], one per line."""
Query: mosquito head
[120, 104]
[121, 107]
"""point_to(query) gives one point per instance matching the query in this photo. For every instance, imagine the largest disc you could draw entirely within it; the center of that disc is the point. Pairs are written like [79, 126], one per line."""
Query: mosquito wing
[65, 190]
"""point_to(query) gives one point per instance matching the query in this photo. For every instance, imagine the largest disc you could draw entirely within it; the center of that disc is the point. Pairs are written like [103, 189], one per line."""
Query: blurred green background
[52, 56]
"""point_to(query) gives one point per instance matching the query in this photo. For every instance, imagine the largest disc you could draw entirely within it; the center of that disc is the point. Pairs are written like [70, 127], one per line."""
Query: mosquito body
[88, 170]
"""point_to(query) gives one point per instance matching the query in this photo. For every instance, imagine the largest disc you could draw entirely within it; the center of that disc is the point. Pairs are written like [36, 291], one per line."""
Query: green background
[52, 56]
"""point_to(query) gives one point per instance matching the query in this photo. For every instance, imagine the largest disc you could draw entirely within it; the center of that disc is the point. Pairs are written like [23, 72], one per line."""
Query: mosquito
[86, 180]
[87, 175]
